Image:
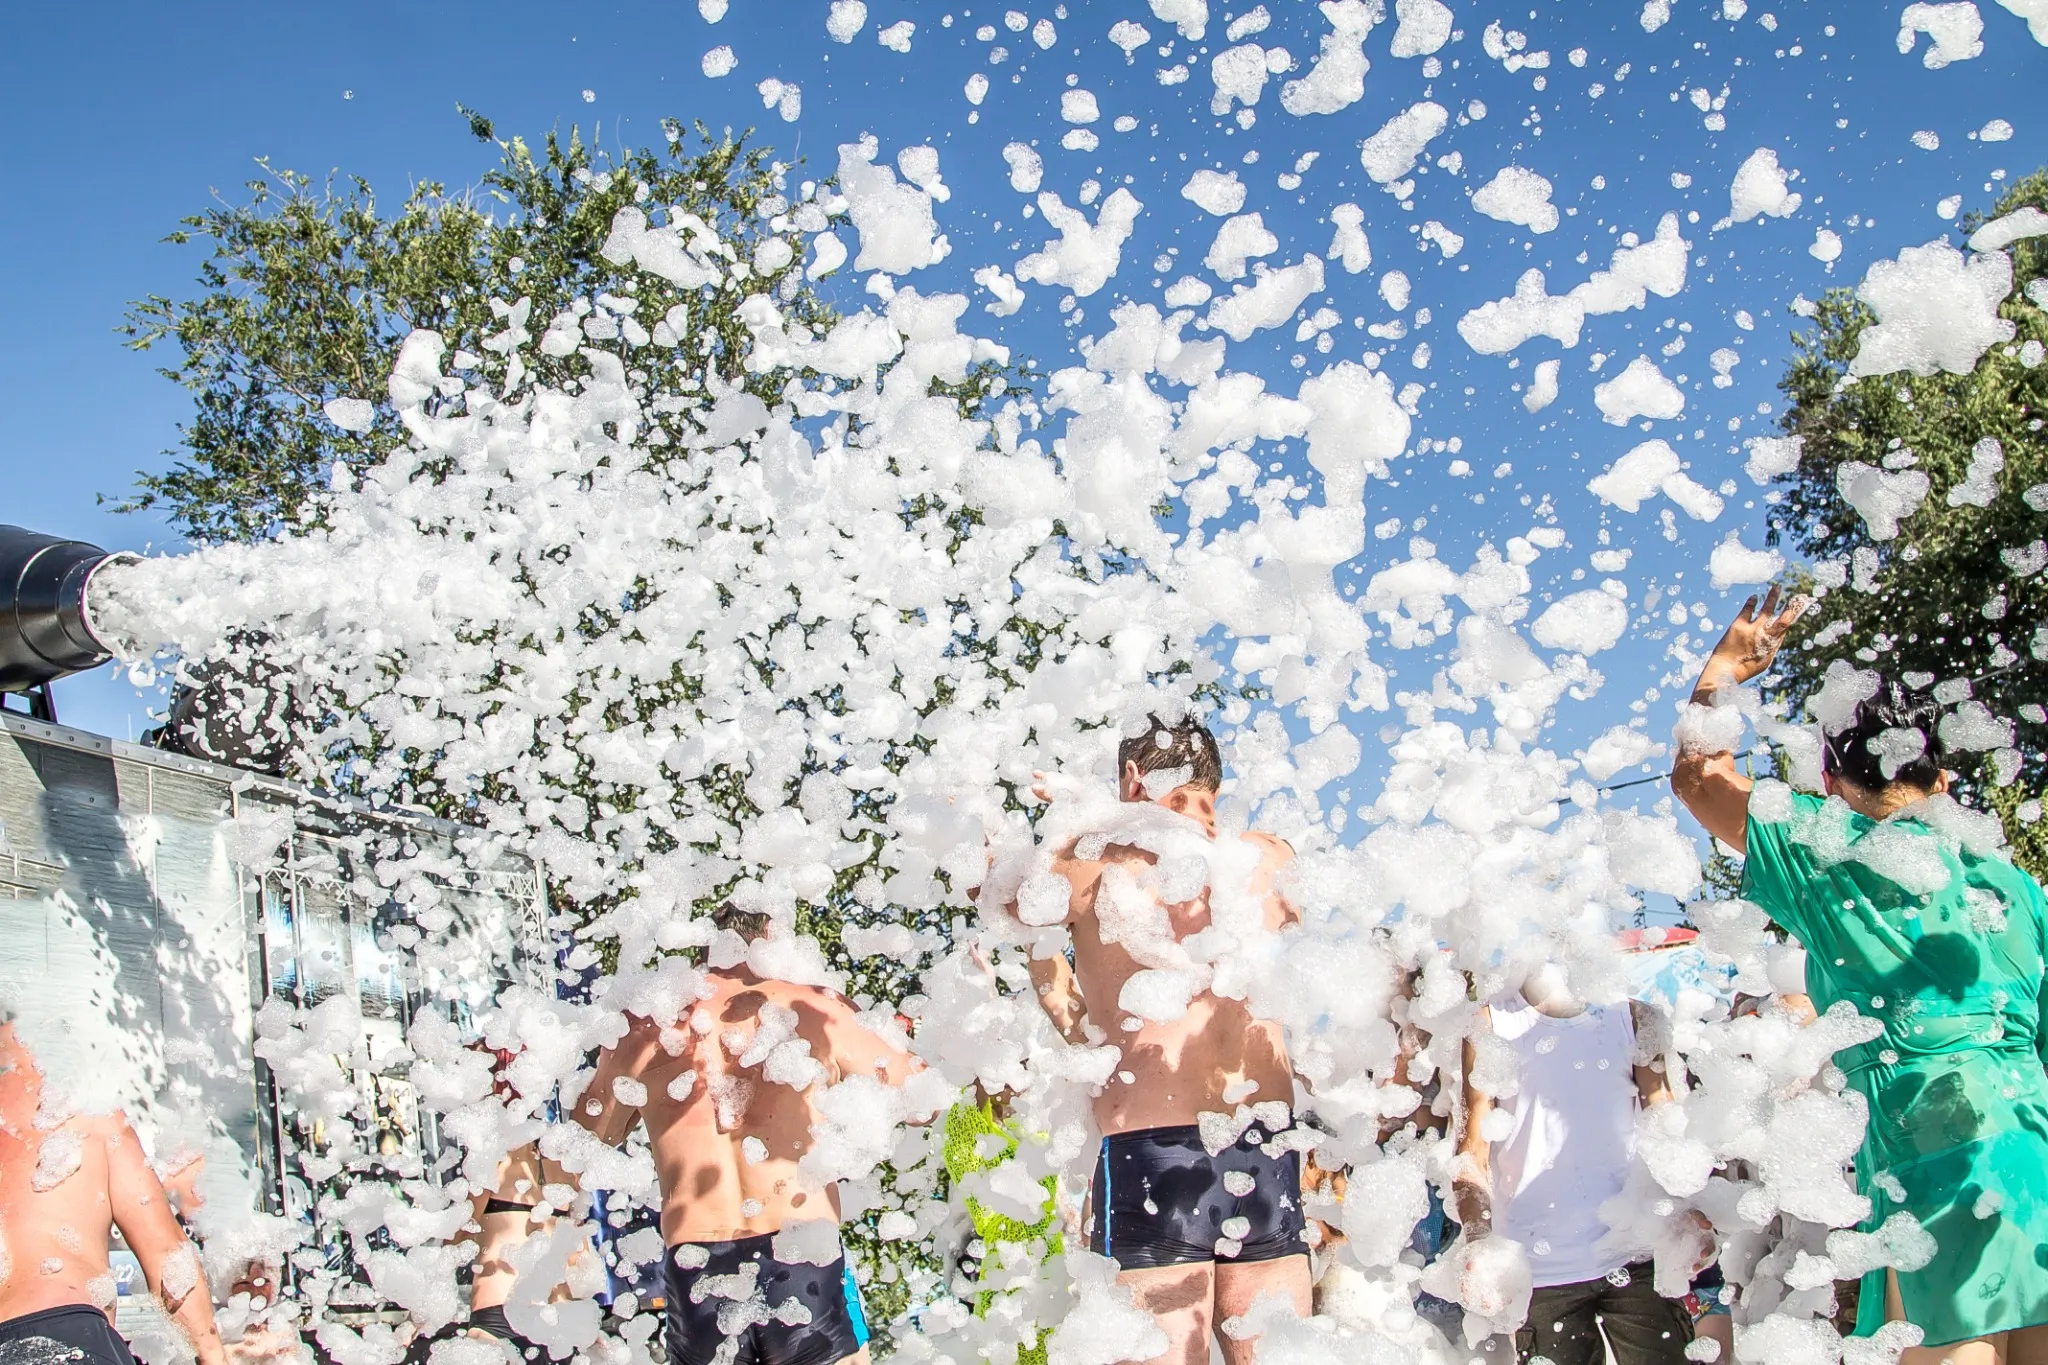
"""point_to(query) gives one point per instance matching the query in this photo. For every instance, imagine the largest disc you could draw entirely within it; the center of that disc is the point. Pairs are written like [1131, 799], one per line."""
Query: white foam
[1935, 310]
[1216, 192]
[1391, 152]
[1955, 32]
[1641, 390]
[1760, 189]
[1518, 195]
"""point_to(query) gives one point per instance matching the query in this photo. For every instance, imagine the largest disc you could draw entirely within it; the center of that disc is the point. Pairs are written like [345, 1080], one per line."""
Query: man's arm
[170, 1263]
[1472, 1190]
[1409, 1044]
[858, 1050]
[1653, 1083]
[1082, 876]
[1705, 779]
[1059, 995]
[1653, 1087]
[599, 1107]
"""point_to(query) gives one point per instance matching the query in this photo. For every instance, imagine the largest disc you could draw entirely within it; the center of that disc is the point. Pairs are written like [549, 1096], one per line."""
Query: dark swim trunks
[812, 1314]
[1161, 1199]
[74, 1334]
[493, 1321]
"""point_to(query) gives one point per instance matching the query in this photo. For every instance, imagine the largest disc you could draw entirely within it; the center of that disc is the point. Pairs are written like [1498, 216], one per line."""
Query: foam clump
[1641, 390]
[1424, 27]
[897, 230]
[1391, 152]
[1584, 623]
[1771, 456]
[1086, 254]
[1882, 497]
[1336, 80]
[1935, 311]
[1732, 562]
[1238, 240]
[1760, 189]
[1635, 271]
[1955, 32]
[1215, 192]
[1103, 1326]
[1520, 196]
[1268, 302]
[1650, 468]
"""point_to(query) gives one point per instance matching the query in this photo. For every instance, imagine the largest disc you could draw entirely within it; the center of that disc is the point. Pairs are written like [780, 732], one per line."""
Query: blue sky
[129, 117]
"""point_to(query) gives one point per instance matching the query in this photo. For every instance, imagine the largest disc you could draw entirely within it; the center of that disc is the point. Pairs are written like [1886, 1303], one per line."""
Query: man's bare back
[1203, 1218]
[1216, 1055]
[65, 1183]
[727, 1126]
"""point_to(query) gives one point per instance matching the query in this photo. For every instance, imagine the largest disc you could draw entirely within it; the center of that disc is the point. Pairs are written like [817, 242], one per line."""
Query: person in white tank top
[1538, 1164]
[1569, 1138]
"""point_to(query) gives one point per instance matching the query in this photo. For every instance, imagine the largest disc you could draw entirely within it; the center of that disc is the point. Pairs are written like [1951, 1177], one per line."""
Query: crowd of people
[1206, 1190]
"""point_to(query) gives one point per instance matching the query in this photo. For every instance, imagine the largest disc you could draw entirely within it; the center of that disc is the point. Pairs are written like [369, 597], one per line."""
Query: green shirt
[1944, 945]
[967, 1125]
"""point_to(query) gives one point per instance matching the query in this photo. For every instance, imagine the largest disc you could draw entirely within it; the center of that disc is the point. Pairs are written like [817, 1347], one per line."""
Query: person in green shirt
[978, 1139]
[1911, 915]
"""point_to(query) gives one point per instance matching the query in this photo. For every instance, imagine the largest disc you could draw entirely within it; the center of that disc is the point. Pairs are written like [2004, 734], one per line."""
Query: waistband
[1173, 1134]
[760, 1246]
[743, 1247]
[1188, 1135]
[80, 1326]
[21, 1325]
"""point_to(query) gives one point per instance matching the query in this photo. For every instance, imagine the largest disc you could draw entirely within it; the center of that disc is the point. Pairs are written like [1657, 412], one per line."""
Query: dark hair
[1855, 754]
[1188, 745]
[748, 924]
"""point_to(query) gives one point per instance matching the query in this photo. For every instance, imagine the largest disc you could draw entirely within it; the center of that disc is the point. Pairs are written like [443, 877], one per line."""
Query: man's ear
[1940, 783]
[1132, 785]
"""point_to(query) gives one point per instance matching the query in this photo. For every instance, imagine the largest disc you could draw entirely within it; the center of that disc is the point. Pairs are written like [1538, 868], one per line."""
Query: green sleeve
[1779, 872]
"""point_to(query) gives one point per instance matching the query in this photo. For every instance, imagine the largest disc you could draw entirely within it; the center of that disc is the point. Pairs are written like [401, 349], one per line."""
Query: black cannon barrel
[43, 628]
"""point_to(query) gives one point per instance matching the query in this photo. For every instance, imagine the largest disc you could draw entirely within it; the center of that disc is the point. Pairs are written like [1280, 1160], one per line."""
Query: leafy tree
[1959, 596]
[310, 289]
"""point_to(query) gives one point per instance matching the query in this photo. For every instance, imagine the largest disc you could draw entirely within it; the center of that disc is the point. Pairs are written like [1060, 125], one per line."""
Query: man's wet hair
[1188, 744]
[1849, 753]
[748, 924]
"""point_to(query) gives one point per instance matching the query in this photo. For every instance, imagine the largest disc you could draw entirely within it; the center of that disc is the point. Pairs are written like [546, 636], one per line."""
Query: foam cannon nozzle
[45, 631]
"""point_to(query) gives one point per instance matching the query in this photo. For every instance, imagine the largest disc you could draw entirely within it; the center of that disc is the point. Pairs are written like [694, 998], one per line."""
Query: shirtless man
[1198, 1236]
[63, 1188]
[727, 1144]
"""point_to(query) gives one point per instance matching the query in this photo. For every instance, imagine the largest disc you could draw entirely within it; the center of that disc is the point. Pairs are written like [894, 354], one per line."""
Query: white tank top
[1573, 1137]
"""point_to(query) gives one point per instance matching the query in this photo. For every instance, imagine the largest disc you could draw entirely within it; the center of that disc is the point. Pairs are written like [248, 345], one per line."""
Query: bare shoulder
[1275, 849]
[821, 998]
[113, 1128]
[627, 1052]
[1067, 859]
[1084, 873]
[640, 1030]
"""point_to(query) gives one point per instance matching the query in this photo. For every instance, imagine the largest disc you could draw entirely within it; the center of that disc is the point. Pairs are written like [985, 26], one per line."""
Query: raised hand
[1753, 638]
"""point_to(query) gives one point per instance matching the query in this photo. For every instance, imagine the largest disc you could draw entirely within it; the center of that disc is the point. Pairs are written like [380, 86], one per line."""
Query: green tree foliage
[310, 288]
[1960, 593]
[306, 296]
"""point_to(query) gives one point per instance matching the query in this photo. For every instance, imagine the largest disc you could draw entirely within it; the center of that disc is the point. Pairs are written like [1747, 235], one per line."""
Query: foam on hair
[1875, 749]
[1163, 747]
